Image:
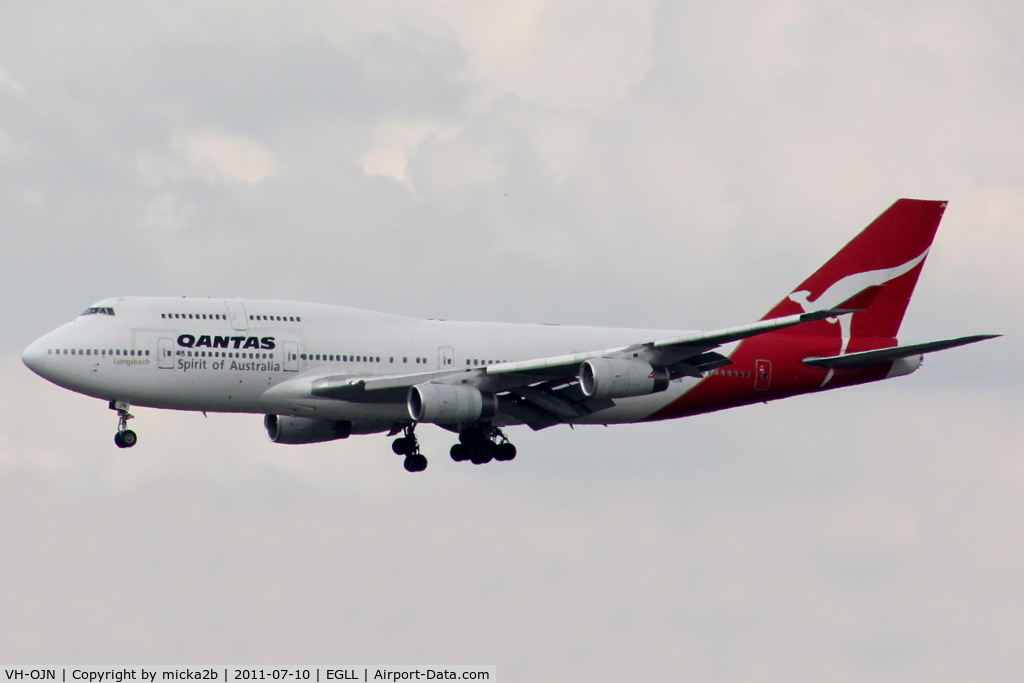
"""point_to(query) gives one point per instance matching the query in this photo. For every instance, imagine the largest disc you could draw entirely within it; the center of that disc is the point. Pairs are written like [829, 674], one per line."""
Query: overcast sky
[678, 165]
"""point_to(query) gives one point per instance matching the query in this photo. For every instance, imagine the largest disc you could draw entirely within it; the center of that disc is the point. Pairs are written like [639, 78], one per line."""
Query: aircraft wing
[666, 352]
[543, 391]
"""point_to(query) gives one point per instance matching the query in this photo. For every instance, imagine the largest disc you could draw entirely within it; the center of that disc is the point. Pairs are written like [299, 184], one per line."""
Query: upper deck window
[93, 310]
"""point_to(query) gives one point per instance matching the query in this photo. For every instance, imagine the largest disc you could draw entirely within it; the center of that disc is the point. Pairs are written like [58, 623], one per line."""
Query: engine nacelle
[285, 429]
[450, 403]
[618, 378]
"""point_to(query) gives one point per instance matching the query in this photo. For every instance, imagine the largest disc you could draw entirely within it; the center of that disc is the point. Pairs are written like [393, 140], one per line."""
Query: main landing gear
[480, 445]
[409, 446]
[125, 438]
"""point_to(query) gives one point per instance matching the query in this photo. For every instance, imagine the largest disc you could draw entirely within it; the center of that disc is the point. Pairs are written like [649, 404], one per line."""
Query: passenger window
[405, 359]
[298, 319]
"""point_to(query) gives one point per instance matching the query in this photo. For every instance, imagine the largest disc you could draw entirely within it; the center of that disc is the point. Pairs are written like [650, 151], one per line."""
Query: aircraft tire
[482, 453]
[505, 452]
[401, 446]
[417, 462]
[129, 438]
[459, 452]
[117, 440]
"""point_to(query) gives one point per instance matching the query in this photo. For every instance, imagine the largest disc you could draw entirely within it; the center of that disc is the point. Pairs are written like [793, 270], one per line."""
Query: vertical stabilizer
[876, 271]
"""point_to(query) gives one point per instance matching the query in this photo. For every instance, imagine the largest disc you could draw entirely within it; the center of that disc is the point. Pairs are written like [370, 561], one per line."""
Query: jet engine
[619, 378]
[450, 403]
[285, 429]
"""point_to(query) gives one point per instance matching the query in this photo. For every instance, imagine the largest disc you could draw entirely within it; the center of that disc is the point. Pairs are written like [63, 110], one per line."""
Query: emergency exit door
[165, 354]
[762, 374]
[237, 315]
[291, 356]
[445, 358]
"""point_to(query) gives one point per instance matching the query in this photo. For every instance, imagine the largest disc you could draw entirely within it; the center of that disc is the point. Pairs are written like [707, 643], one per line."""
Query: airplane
[319, 373]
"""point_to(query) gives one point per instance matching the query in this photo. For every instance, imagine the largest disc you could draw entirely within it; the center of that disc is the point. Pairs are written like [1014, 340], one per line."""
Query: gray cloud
[660, 165]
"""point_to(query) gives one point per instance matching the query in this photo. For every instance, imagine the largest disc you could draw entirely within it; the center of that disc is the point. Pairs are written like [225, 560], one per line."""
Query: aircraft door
[237, 316]
[762, 374]
[165, 354]
[445, 358]
[291, 356]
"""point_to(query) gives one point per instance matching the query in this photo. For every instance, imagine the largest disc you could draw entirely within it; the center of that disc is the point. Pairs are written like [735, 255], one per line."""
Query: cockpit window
[102, 311]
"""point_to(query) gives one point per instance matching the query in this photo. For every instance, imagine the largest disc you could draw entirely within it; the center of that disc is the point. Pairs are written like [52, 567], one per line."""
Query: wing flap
[535, 418]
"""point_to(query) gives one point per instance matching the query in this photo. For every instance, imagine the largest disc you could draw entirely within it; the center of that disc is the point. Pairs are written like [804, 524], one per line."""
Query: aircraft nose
[35, 357]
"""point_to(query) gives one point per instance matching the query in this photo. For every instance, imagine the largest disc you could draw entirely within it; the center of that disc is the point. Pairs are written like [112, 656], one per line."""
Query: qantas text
[190, 341]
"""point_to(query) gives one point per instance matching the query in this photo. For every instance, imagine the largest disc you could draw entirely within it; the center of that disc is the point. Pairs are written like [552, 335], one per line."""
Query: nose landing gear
[124, 438]
[480, 445]
[409, 446]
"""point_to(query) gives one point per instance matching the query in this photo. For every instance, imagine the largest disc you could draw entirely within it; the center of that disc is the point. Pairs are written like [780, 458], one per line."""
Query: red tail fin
[877, 271]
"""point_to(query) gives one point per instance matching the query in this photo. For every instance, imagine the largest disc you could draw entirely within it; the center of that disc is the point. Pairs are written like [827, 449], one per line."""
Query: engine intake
[450, 403]
[285, 429]
[618, 378]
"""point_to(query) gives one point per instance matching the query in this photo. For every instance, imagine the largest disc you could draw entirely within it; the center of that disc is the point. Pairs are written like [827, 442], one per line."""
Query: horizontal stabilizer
[866, 358]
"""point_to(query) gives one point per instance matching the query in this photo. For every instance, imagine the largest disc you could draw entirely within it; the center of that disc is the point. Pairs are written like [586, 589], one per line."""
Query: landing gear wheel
[125, 439]
[460, 452]
[482, 453]
[417, 462]
[505, 452]
[404, 445]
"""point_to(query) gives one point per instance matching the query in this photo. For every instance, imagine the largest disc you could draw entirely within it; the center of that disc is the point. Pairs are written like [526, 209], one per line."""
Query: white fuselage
[255, 356]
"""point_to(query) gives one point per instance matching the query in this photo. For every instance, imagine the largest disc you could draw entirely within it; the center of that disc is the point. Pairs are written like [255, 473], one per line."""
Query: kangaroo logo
[845, 289]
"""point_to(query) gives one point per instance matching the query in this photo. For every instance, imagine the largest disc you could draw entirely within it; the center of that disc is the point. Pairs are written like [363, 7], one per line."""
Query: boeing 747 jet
[319, 373]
